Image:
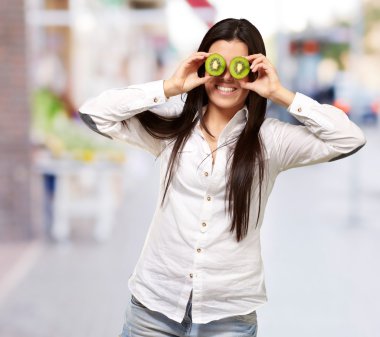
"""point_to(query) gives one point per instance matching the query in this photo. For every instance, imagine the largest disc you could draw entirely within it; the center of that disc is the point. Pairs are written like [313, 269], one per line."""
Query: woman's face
[224, 91]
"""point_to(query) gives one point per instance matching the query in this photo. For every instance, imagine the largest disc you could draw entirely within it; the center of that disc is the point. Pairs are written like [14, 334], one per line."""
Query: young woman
[200, 272]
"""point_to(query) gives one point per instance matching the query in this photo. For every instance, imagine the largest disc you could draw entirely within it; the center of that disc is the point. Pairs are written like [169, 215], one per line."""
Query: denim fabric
[142, 322]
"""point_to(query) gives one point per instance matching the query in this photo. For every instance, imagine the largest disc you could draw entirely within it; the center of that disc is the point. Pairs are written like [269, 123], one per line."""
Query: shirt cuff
[301, 103]
[309, 112]
[153, 92]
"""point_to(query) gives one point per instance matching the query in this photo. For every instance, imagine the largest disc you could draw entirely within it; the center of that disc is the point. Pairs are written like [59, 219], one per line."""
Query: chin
[227, 102]
[230, 108]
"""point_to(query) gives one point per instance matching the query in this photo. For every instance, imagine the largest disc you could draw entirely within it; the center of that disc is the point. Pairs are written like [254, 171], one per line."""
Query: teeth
[224, 89]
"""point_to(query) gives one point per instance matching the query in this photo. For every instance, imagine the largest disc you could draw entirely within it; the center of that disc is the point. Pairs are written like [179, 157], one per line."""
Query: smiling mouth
[226, 90]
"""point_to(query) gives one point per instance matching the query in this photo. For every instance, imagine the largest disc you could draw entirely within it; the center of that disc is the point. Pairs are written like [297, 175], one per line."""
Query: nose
[227, 75]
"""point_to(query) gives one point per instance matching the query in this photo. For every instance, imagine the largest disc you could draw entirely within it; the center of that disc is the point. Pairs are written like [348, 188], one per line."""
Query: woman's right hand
[186, 76]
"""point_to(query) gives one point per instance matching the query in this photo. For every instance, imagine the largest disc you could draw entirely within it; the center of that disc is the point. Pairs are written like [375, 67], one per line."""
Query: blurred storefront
[77, 49]
[56, 54]
[333, 63]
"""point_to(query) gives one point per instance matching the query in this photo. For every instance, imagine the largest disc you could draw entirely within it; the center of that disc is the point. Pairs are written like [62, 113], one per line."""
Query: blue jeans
[142, 322]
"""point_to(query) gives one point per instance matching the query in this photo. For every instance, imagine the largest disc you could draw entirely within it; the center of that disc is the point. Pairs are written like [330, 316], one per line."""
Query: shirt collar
[233, 127]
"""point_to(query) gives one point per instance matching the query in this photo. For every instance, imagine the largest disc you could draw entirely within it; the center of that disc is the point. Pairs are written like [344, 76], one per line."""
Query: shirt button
[206, 174]
[155, 100]
[199, 250]
[299, 109]
[208, 198]
[204, 224]
[191, 275]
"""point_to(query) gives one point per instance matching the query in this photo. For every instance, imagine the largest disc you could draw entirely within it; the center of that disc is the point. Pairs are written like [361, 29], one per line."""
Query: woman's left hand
[267, 83]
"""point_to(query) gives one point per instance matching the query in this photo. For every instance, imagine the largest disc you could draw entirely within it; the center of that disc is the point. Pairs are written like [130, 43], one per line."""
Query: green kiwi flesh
[215, 64]
[239, 67]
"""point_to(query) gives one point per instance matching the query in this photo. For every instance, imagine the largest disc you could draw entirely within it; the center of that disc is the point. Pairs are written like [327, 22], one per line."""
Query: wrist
[282, 96]
[170, 89]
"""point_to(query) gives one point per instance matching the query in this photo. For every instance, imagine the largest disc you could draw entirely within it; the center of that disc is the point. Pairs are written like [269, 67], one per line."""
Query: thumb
[246, 85]
[243, 85]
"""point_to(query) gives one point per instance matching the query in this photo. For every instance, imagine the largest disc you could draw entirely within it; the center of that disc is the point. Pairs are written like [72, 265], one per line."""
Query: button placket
[198, 258]
[207, 208]
[193, 275]
[203, 227]
[205, 167]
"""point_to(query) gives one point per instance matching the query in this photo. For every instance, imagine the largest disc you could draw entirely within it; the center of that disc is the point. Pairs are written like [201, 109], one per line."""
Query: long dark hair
[247, 156]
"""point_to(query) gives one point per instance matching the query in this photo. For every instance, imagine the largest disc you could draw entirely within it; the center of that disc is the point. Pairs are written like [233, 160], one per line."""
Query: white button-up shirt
[189, 246]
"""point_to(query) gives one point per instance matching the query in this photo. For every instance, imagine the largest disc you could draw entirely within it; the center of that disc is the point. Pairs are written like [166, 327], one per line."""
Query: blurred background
[75, 207]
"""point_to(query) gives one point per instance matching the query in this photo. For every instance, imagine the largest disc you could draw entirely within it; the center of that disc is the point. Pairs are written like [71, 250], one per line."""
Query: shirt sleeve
[326, 134]
[112, 113]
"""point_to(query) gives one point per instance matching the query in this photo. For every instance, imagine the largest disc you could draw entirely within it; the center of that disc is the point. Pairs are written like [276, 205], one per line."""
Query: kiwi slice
[215, 64]
[239, 67]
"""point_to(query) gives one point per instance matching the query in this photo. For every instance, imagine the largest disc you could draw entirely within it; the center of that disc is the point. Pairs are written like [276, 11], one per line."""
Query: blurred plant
[372, 27]
[66, 137]
[372, 15]
[114, 2]
[335, 51]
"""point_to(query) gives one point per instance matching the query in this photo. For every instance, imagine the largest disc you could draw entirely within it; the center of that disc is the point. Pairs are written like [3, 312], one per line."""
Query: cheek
[244, 80]
[244, 92]
[209, 86]
[244, 95]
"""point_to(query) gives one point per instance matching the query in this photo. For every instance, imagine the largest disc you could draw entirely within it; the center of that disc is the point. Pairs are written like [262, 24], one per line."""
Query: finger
[261, 66]
[198, 56]
[203, 53]
[253, 57]
[260, 60]
[257, 58]
[245, 85]
[204, 80]
[192, 64]
[196, 60]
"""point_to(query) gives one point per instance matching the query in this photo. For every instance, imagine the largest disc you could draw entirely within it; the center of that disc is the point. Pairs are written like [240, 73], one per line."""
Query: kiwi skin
[215, 64]
[239, 67]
